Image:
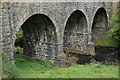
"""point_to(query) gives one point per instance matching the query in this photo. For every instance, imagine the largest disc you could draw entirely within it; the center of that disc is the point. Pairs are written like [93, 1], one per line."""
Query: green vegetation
[18, 49]
[112, 36]
[19, 41]
[8, 69]
[19, 34]
[114, 32]
[28, 68]
[19, 38]
[107, 41]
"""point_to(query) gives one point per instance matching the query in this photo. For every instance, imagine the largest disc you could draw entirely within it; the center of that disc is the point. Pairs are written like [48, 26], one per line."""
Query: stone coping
[60, 0]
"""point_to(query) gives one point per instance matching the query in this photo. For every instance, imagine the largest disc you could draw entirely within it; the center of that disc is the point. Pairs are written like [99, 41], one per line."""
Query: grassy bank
[44, 69]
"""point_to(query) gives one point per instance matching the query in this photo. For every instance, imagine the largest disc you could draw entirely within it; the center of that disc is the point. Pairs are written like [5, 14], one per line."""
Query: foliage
[8, 69]
[19, 34]
[19, 38]
[18, 49]
[114, 32]
[107, 41]
[112, 38]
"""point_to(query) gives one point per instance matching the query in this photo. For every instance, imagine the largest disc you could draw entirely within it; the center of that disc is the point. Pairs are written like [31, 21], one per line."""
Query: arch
[20, 22]
[75, 37]
[40, 38]
[99, 25]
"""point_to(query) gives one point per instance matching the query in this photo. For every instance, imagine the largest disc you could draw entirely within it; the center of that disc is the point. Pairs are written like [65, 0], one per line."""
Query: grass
[44, 69]
[106, 41]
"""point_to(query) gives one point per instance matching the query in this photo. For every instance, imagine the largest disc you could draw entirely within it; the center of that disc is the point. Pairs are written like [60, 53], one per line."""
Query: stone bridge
[52, 28]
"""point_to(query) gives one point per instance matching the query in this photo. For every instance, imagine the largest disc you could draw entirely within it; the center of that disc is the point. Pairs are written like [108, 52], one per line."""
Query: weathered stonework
[69, 30]
[0, 41]
[76, 33]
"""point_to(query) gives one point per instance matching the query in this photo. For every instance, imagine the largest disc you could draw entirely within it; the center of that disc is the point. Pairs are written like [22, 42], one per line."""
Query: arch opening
[99, 26]
[39, 37]
[105, 52]
[75, 35]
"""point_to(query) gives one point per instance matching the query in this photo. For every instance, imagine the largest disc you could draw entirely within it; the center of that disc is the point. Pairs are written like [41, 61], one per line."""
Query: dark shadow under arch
[104, 53]
[39, 37]
[75, 37]
[100, 25]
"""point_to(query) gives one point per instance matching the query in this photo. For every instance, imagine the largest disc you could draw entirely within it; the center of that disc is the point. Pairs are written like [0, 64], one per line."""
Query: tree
[114, 32]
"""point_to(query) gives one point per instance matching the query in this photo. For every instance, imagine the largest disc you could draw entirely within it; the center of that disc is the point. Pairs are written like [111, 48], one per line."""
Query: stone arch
[75, 33]
[40, 38]
[99, 25]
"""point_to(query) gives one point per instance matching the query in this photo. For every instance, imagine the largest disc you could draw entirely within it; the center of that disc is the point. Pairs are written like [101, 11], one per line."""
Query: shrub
[18, 49]
[114, 32]
[19, 39]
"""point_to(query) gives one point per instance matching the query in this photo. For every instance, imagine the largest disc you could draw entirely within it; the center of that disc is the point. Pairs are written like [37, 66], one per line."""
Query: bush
[20, 34]
[114, 32]
[19, 42]
[18, 49]
[19, 39]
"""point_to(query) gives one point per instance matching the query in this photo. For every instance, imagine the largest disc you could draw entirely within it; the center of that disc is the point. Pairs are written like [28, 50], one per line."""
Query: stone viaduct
[53, 28]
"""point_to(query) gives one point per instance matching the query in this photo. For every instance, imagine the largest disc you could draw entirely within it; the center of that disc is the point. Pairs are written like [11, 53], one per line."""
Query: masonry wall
[76, 33]
[7, 31]
[0, 41]
[16, 13]
[39, 38]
